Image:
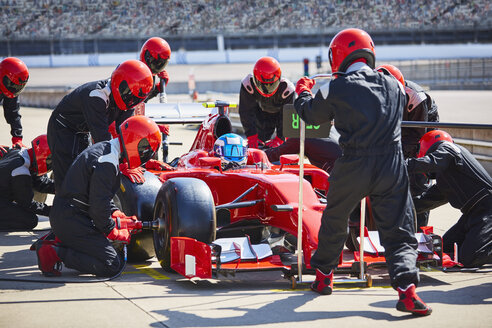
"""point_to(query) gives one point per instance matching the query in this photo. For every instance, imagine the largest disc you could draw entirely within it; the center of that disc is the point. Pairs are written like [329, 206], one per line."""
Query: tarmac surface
[147, 296]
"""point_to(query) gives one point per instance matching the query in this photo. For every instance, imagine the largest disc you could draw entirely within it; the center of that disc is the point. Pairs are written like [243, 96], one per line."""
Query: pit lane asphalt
[146, 296]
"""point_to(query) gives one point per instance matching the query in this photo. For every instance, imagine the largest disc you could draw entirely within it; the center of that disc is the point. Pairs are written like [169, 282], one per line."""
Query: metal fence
[456, 74]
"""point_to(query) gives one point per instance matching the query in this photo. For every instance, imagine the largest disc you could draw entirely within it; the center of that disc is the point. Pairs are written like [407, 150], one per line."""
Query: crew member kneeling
[464, 183]
[21, 170]
[83, 214]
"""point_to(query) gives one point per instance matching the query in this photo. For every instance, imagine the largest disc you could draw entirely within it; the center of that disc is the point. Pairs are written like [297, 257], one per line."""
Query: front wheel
[184, 207]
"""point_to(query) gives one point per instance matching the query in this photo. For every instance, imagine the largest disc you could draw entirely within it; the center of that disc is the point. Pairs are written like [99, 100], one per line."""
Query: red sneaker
[48, 261]
[411, 302]
[323, 283]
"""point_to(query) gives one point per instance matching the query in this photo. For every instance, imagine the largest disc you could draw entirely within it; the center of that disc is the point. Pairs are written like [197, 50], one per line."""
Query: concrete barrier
[42, 97]
[478, 142]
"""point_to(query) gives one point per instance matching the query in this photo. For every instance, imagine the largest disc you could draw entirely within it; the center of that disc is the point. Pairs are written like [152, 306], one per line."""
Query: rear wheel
[184, 207]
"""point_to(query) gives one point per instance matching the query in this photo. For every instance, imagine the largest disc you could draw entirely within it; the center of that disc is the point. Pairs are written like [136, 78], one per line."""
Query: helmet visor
[128, 97]
[156, 65]
[145, 151]
[267, 88]
[15, 89]
[234, 152]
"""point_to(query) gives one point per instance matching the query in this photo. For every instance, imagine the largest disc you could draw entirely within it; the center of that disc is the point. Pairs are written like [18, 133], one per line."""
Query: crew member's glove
[112, 130]
[17, 143]
[118, 214]
[3, 151]
[123, 221]
[164, 76]
[254, 141]
[122, 235]
[135, 175]
[164, 128]
[157, 165]
[304, 84]
[274, 142]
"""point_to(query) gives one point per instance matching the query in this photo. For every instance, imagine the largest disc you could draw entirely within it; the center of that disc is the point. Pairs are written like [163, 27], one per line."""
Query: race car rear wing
[176, 113]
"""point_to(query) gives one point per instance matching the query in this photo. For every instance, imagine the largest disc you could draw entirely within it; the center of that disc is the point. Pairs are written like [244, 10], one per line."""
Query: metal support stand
[163, 95]
[362, 235]
[302, 138]
[165, 141]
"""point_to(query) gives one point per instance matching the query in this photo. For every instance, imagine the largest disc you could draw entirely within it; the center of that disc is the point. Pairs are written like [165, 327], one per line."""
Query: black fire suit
[464, 183]
[89, 108]
[262, 115]
[12, 116]
[321, 152]
[367, 107]
[16, 192]
[82, 208]
[420, 107]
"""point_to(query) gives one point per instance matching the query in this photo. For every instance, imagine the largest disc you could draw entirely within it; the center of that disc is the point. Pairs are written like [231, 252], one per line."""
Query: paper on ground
[372, 244]
[247, 250]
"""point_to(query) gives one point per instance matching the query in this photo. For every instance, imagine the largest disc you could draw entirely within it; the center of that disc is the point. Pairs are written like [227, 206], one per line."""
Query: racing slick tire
[184, 207]
[138, 199]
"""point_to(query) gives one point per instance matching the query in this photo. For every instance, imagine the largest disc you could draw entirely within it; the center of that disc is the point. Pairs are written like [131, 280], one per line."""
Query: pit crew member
[83, 214]
[367, 108]
[156, 53]
[21, 170]
[91, 108]
[420, 107]
[13, 78]
[466, 185]
[261, 99]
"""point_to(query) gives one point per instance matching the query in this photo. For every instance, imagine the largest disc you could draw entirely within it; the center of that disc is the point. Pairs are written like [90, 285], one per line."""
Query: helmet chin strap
[33, 167]
[31, 155]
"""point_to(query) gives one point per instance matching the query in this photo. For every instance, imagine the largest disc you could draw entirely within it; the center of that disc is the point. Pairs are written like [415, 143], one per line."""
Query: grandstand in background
[41, 27]
[97, 28]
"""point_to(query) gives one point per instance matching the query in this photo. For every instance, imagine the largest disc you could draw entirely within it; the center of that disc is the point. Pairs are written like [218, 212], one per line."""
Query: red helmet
[140, 138]
[431, 138]
[131, 83]
[393, 70]
[349, 45]
[266, 76]
[155, 53]
[13, 76]
[41, 155]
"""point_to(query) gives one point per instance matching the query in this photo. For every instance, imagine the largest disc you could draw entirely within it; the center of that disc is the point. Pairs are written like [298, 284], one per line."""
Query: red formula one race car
[201, 219]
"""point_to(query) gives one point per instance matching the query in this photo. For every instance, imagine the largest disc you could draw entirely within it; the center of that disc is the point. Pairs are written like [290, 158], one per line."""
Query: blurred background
[441, 44]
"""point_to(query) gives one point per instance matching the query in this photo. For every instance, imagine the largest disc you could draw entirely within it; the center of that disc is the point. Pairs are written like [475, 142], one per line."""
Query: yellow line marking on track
[153, 273]
[429, 269]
